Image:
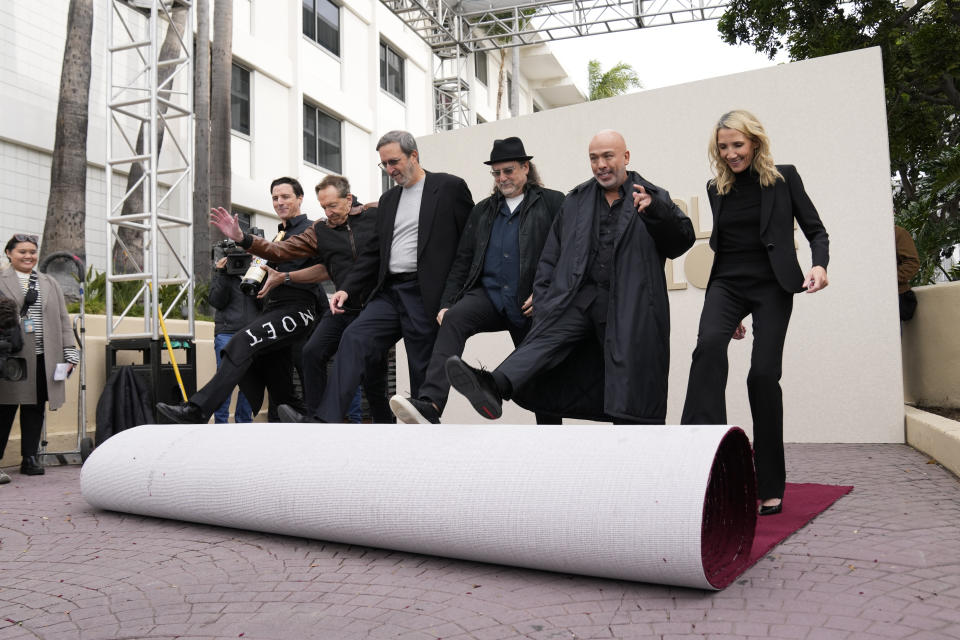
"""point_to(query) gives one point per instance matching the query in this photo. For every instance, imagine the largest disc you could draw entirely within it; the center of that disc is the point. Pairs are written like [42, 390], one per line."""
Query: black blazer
[444, 210]
[779, 205]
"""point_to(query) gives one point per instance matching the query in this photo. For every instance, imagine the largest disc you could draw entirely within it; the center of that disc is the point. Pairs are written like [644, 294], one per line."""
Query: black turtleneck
[739, 220]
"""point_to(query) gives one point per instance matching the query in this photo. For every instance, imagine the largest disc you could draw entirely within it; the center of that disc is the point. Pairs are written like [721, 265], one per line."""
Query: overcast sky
[661, 56]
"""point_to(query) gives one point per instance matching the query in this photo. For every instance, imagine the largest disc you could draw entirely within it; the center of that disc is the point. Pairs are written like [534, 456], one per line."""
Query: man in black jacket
[259, 355]
[490, 287]
[418, 229]
[336, 243]
[600, 282]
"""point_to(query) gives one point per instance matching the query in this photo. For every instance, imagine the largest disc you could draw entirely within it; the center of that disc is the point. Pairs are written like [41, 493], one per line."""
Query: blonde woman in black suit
[755, 272]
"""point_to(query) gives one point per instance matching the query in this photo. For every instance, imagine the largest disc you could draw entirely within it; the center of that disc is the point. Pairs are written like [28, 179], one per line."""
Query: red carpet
[801, 504]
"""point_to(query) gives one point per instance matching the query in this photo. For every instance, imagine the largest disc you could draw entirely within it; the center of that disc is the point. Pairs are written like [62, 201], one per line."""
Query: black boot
[477, 385]
[31, 466]
[183, 413]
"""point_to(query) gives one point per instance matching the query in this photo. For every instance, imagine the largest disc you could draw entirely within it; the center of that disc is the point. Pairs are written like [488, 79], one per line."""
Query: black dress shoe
[183, 413]
[770, 510]
[477, 385]
[31, 466]
[289, 413]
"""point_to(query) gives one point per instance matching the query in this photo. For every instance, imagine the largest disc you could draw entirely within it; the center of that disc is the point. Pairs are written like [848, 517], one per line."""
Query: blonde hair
[747, 124]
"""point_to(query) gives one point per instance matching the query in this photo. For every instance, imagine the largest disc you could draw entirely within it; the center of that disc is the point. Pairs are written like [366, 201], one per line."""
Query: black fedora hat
[508, 149]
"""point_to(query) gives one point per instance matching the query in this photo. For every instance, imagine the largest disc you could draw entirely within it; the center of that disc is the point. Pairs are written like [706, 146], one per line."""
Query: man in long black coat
[600, 281]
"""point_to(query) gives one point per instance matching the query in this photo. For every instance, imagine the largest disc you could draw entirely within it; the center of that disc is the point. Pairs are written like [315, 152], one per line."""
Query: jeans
[355, 412]
[243, 413]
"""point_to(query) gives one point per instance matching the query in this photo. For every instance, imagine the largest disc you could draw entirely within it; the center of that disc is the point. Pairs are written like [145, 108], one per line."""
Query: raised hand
[227, 223]
[641, 199]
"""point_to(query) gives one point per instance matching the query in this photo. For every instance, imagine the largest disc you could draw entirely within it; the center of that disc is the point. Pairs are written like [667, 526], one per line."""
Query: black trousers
[31, 417]
[586, 313]
[736, 291]
[260, 355]
[318, 352]
[396, 312]
[474, 313]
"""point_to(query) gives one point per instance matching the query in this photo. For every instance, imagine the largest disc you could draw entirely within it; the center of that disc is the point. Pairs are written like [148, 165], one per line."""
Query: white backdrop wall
[842, 372]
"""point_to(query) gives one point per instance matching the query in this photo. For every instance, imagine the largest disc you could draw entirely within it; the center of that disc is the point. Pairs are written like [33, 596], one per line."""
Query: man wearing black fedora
[490, 285]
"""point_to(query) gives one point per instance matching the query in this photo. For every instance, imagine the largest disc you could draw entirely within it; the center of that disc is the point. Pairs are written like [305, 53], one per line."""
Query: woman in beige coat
[47, 341]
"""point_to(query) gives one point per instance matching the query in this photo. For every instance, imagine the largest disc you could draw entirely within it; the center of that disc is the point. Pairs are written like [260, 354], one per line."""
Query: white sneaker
[413, 411]
[4, 478]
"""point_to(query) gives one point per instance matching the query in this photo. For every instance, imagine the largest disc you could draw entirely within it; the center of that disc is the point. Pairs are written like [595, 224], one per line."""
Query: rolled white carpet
[663, 504]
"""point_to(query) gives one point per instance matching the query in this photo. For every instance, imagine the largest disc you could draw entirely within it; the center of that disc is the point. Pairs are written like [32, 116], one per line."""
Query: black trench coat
[627, 377]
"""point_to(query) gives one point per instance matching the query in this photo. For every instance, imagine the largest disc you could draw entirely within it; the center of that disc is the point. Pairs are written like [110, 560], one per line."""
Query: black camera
[10, 342]
[238, 260]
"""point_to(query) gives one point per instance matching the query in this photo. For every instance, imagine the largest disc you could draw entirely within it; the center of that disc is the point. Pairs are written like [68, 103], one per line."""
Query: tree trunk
[503, 60]
[128, 250]
[201, 161]
[64, 227]
[515, 85]
[220, 76]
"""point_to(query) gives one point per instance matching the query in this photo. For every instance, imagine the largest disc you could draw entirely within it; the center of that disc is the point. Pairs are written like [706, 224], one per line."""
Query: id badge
[28, 325]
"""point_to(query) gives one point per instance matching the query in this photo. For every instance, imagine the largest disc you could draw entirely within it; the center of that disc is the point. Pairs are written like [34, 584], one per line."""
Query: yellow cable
[166, 338]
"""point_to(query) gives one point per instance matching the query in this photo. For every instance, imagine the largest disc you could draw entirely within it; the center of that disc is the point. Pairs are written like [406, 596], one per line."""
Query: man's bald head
[609, 158]
[608, 137]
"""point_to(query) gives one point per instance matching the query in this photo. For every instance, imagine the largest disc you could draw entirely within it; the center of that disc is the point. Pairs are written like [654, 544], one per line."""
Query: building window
[321, 23]
[244, 217]
[391, 71]
[385, 181]
[240, 100]
[480, 67]
[321, 139]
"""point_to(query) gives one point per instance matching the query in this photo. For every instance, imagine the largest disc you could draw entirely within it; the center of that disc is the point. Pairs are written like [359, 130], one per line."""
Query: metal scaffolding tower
[456, 28]
[149, 102]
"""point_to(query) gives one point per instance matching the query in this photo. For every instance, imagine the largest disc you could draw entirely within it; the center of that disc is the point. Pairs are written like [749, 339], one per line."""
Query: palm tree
[504, 24]
[618, 80]
[63, 229]
[201, 160]
[221, 54]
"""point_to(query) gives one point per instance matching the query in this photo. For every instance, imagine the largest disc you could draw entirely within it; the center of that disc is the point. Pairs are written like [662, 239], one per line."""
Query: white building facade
[315, 84]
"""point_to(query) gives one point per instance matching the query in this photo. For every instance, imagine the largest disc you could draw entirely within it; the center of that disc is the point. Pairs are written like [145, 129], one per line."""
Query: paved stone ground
[883, 562]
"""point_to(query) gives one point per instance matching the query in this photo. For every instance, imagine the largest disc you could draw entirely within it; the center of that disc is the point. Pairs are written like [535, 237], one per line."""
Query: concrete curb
[936, 436]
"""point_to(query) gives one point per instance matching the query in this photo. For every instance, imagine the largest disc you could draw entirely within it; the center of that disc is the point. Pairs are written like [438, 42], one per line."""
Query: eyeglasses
[507, 171]
[392, 162]
[25, 237]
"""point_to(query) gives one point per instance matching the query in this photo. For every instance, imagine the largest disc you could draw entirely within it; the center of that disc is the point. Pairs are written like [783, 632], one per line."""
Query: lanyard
[31, 294]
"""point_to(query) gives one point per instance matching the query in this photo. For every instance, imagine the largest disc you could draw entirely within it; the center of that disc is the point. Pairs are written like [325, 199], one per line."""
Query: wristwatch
[286, 278]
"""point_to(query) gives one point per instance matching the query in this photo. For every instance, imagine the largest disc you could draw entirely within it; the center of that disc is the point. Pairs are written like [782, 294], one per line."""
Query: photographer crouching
[233, 310]
[260, 354]
[35, 336]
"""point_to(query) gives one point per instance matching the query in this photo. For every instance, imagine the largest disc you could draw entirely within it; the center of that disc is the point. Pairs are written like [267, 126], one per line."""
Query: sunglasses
[508, 171]
[25, 237]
